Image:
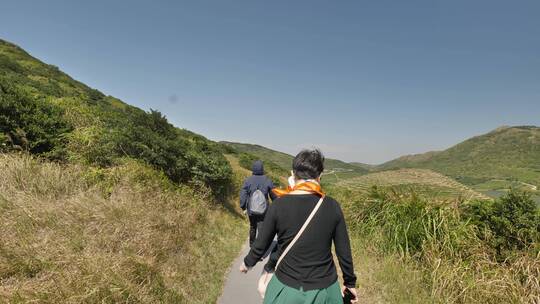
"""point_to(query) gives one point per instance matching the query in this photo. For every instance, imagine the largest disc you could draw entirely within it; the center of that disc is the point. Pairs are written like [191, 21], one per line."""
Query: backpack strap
[297, 236]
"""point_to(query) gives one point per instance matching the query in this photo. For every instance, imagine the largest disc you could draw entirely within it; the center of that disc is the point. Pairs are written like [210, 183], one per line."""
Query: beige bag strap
[306, 223]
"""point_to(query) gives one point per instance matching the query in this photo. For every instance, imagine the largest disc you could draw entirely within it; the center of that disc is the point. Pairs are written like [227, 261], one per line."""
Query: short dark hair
[308, 164]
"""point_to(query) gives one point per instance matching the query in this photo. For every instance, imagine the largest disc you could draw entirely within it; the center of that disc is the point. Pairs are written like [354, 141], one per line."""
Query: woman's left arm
[343, 250]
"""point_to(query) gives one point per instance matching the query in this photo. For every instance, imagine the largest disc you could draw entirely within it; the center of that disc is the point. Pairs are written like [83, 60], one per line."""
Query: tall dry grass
[457, 266]
[73, 234]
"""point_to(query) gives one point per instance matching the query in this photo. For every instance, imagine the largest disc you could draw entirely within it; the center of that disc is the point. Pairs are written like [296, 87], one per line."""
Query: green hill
[46, 112]
[281, 159]
[334, 169]
[507, 156]
[362, 165]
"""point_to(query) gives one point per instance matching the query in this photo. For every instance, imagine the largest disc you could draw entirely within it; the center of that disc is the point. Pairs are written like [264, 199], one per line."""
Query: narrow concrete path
[241, 288]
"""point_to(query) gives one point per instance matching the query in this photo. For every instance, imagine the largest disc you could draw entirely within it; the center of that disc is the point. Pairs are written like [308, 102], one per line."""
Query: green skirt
[279, 293]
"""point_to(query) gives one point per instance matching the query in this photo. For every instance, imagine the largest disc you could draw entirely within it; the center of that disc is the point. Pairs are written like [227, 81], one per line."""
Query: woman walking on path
[307, 273]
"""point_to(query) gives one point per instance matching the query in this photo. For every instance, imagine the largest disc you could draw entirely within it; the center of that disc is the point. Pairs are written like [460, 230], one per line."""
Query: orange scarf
[306, 186]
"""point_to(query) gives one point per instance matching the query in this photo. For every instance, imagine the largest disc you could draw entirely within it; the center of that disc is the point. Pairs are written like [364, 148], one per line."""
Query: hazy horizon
[365, 82]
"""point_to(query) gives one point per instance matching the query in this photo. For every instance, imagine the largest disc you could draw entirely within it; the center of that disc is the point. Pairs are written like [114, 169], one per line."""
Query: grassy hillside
[422, 181]
[334, 169]
[506, 156]
[46, 112]
[102, 202]
[126, 234]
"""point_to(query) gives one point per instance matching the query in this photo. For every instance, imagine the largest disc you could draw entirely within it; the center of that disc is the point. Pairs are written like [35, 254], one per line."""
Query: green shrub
[129, 132]
[208, 165]
[7, 64]
[93, 145]
[31, 124]
[150, 137]
[512, 221]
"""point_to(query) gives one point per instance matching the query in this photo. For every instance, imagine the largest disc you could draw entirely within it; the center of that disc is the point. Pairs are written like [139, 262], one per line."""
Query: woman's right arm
[264, 239]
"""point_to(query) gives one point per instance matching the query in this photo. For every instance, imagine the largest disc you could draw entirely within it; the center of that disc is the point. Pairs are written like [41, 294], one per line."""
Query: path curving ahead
[241, 288]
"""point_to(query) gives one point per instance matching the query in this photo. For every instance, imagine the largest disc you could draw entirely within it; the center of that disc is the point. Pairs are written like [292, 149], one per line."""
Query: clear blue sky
[364, 80]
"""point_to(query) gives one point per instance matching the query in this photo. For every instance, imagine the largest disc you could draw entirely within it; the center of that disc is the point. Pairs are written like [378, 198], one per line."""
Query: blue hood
[257, 168]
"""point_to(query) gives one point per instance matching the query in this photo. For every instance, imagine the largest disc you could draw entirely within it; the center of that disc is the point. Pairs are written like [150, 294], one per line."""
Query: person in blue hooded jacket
[257, 181]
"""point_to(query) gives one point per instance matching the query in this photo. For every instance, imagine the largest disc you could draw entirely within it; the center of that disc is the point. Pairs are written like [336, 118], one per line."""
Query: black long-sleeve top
[309, 263]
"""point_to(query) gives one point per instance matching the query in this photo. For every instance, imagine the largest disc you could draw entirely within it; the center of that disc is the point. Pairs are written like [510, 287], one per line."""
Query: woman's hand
[352, 291]
[244, 268]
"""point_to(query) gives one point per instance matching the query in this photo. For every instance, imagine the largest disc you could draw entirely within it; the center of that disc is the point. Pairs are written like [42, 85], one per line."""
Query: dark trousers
[255, 223]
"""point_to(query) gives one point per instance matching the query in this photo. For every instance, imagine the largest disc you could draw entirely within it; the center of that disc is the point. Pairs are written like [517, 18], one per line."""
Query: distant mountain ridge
[285, 160]
[508, 156]
[506, 153]
[334, 169]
